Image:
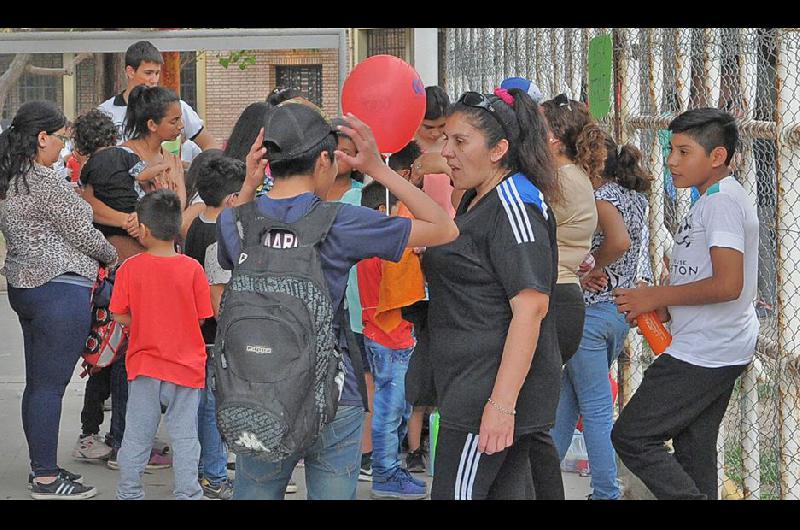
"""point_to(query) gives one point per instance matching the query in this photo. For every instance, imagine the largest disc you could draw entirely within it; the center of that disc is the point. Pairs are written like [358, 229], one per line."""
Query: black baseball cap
[293, 129]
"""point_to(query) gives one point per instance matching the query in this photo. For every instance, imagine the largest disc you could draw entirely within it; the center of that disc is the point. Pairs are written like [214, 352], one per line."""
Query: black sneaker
[72, 477]
[365, 473]
[61, 488]
[415, 461]
[111, 463]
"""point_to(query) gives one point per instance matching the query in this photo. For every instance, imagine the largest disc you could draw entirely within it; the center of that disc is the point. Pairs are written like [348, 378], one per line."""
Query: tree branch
[68, 69]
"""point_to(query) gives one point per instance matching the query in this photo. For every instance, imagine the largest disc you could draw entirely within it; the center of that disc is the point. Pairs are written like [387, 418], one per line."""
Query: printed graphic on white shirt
[721, 334]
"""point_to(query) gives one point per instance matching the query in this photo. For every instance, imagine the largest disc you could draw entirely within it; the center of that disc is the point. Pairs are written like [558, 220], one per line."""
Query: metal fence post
[788, 280]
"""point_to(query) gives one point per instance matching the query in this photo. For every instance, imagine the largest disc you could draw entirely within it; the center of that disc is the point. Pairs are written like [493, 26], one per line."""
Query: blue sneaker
[399, 486]
[415, 480]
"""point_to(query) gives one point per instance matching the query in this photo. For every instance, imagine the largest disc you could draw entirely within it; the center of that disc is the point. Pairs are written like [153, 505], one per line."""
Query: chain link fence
[658, 73]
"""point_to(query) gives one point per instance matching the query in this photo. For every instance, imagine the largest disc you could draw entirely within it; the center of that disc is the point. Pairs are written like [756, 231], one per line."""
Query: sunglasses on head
[476, 99]
[562, 101]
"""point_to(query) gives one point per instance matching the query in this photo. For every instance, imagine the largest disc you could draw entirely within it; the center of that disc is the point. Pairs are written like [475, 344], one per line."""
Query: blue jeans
[213, 453]
[585, 390]
[55, 319]
[331, 465]
[389, 405]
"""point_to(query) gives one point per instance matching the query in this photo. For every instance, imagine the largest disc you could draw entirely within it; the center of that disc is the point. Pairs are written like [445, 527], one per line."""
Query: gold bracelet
[510, 412]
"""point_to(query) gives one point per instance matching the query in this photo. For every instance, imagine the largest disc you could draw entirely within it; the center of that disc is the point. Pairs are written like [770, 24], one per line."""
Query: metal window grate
[389, 41]
[189, 78]
[307, 78]
[32, 87]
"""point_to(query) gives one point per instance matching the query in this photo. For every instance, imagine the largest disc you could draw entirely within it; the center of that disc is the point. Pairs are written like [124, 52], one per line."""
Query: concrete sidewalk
[14, 463]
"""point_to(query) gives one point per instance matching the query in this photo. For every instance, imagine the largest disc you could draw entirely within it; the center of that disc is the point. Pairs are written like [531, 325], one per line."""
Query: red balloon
[387, 94]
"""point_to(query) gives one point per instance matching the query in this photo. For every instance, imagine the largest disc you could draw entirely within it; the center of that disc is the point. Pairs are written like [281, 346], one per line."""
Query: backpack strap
[354, 351]
[252, 224]
[313, 227]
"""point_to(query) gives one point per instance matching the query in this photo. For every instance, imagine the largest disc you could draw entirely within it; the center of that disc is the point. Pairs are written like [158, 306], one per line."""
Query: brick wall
[229, 91]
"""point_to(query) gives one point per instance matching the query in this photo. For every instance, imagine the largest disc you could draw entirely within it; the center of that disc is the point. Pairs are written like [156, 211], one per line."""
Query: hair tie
[503, 94]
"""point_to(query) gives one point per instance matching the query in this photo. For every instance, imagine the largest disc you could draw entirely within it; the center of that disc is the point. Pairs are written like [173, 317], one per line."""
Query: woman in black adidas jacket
[493, 346]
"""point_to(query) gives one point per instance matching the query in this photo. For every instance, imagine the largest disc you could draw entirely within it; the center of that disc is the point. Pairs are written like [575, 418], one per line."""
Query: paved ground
[14, 466]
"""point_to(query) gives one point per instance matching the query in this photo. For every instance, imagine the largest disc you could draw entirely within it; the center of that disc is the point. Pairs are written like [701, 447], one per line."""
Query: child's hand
[174, 174]
[368, 159]
[634, 302]
[256, 165]
[594, 281]
[427, 164]
[132, 225]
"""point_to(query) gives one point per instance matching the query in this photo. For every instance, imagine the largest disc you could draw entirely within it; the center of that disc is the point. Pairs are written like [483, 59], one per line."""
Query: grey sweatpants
[145, 396]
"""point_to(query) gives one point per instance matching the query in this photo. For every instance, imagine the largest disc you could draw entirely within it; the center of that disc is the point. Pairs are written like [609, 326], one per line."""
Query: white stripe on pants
[467, 468]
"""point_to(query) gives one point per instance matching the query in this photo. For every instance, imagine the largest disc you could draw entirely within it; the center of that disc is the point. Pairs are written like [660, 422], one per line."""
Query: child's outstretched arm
[431, 226]
[724, 284]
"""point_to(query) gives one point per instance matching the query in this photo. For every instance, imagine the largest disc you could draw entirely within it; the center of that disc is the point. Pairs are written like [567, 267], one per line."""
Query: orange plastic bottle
[654, 332]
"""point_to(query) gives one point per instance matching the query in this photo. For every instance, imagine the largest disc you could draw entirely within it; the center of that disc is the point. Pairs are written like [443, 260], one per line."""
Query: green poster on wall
[601, 52]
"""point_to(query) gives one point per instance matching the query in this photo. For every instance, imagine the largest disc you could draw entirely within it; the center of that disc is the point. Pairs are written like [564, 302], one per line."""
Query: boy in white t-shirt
[712, 287]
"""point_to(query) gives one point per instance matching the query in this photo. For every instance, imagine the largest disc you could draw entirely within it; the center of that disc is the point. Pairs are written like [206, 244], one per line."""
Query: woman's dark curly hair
[92, 130]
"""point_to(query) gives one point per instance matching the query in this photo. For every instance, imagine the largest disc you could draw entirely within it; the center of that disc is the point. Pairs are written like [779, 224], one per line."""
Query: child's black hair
[374, 194]
[92, 130]
[195, 168]
[710, 128]
[304, 163]
[142, 52]
[145, 104]
[217, 177]
[244, 133]
[160, 211]
[404, 158]
[436, 102]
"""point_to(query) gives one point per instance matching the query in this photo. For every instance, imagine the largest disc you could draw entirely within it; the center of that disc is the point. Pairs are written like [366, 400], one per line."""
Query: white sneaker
[91, 447]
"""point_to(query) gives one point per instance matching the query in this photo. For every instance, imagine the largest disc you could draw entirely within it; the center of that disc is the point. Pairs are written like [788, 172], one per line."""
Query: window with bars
[305, 77]
[189, 78]
[388, 41]
[32, 87]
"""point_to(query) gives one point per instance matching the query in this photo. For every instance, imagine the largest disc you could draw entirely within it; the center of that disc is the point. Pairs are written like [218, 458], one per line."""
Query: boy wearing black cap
[299, 144]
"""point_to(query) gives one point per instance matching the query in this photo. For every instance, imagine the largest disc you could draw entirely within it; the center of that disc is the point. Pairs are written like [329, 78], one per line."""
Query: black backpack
[279, 372]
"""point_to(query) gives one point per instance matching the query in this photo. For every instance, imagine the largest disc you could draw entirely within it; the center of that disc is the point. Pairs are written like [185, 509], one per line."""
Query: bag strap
[313, 227]
[354, 351]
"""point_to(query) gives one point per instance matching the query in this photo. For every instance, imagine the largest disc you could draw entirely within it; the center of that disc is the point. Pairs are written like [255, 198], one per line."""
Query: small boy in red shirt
[388, 352]
[163, 296]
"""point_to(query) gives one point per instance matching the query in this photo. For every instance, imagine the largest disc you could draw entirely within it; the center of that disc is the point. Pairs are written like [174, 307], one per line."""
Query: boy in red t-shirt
[163, 296]
[388, 353]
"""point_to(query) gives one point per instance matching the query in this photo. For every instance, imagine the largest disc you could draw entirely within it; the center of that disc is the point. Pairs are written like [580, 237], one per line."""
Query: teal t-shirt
[352, 300]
